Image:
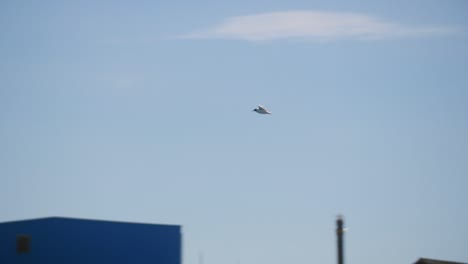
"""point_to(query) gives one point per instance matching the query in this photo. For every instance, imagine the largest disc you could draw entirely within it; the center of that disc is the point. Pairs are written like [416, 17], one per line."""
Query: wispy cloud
[315, 25]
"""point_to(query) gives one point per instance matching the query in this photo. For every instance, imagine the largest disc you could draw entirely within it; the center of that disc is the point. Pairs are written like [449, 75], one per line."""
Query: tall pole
[339, 233]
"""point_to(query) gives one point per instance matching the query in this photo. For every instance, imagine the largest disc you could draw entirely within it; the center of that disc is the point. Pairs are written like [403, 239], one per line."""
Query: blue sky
[142, 112]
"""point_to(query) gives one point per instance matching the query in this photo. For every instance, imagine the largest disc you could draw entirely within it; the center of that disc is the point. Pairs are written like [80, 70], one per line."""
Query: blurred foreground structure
[67, 240]
[78, 241]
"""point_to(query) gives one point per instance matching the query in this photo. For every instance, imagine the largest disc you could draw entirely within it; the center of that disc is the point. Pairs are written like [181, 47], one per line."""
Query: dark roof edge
[85, 219]
[434, 261]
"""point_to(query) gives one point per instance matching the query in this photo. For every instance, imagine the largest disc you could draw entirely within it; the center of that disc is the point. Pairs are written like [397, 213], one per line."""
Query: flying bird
[262, 110]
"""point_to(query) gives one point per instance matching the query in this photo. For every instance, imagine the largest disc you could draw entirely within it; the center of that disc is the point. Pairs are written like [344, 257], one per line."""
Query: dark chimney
[339, 233]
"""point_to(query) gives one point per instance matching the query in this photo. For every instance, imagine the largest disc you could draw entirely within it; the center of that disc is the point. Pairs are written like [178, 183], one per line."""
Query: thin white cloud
[312, 25]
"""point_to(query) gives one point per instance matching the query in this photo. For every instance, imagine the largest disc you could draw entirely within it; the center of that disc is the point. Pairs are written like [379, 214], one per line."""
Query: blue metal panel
[64, 240]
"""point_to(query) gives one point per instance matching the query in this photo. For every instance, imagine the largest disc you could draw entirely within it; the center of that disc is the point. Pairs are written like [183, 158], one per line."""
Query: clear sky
[142, 111]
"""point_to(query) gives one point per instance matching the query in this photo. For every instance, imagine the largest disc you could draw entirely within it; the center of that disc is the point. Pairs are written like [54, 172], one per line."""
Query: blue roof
[71, 240]
[61, 218]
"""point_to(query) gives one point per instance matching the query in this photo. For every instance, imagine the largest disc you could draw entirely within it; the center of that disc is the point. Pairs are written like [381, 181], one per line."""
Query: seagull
[262, 110]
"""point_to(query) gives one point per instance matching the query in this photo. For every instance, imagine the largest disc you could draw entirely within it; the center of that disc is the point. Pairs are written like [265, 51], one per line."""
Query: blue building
[66, 240]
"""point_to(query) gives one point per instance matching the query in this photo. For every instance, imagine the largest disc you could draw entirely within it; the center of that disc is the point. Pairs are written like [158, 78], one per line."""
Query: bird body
[262, 110]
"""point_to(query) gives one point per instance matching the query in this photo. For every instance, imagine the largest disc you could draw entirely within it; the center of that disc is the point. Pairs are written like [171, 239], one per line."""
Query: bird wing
[261, 107]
